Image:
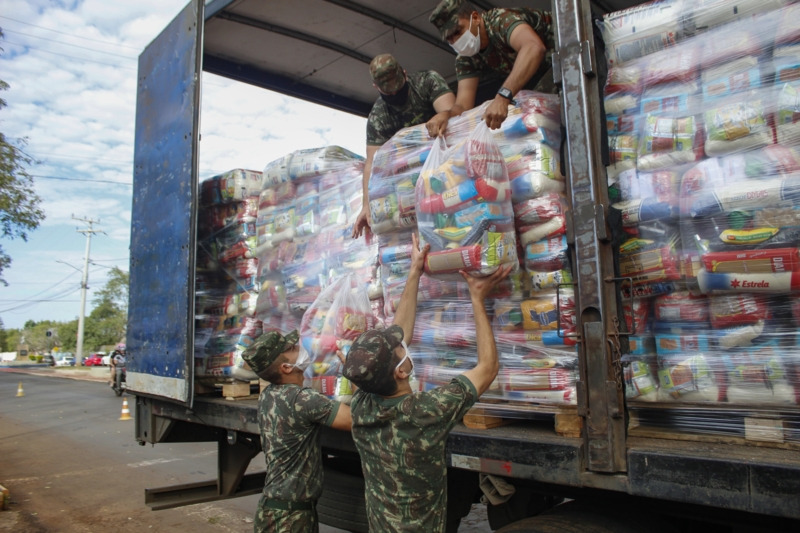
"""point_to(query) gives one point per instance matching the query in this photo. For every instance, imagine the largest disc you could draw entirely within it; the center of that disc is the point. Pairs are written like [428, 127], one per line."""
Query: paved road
[72, 466]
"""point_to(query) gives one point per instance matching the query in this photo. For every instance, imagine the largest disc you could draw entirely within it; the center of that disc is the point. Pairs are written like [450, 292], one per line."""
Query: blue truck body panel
[164, 220]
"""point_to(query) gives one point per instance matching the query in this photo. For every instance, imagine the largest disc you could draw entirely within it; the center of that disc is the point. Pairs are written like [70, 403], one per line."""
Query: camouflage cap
[370, 361]
[266, 349]
[387, 74]
[445, 16]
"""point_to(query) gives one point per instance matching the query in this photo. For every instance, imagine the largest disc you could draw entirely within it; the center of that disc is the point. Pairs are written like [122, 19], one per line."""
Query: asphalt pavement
[71, 465]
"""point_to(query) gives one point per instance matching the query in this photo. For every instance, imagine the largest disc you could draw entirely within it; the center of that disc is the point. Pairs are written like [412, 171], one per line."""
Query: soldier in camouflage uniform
[289, 417]
[401, 434]
[405, 100]
[511, 46]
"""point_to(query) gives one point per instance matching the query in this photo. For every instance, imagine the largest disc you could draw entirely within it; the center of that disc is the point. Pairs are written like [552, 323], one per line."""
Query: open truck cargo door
[164, 212]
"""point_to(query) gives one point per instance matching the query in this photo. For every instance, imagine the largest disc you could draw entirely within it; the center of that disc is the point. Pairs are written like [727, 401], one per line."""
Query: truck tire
[575, 517]
[342, 502]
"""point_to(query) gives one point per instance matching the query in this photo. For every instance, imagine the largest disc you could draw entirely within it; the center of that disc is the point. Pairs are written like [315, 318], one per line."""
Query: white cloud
[72, 70]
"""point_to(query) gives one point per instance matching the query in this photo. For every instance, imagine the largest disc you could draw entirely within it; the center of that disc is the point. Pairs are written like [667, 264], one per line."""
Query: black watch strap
[506, 93]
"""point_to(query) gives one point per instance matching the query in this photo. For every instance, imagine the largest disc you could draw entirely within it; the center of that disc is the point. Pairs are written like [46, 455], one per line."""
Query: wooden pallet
[5, 497]
[567, 423]
[476, 418]
[758, 428]
[236, 390]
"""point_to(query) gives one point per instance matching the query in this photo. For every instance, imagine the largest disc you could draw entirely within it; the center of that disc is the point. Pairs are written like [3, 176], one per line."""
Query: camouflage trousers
[271, 520]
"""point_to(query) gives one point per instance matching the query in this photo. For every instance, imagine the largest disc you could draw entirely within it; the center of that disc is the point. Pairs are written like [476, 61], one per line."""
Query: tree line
[104, 326]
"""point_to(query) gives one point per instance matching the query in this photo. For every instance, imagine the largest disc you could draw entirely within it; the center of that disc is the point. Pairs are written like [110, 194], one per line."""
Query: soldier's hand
[481, 287]
[437, 125]
[496, 113]
[417, 255]
[362, 223]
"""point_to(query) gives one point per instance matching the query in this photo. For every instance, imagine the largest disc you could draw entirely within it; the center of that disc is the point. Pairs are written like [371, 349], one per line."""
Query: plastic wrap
[268, 243]
[533, 320]
[337, 317]
[310, 199]
[395, 169]
[283, 259]
[464, 213]
[702, 114]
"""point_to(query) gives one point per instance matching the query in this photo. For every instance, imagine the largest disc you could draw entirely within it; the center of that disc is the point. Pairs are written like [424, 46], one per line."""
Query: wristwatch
[505, 93]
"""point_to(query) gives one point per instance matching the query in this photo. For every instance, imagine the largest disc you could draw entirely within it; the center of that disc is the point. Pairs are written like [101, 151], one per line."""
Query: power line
[74, 58]
[68, 34]
[39, 301]
[53, 298]
[70, 44]
[85, 158]
[90, 180]
[31, 303]
[56, 284]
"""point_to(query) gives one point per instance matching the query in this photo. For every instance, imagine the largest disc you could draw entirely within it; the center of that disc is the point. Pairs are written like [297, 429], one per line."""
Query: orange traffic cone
[126, 414]
[20, 392]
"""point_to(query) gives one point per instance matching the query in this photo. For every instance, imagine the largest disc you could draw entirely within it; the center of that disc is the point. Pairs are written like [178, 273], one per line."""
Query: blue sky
[71, 67]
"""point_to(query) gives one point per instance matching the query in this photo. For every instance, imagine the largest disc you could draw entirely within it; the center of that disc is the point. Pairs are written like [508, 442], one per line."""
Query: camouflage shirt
[289, 417]
[385, 120]
[402, 446]
[498, 57]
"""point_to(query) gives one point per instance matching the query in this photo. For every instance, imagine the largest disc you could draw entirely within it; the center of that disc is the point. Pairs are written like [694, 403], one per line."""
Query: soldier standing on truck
[401, 435]
[508, 47]
[289, 417]
[405, 100]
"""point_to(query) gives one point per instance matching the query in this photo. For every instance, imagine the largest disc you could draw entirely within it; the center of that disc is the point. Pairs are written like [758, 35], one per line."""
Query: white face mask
[403, 360]
[468, 44]
[303, 361]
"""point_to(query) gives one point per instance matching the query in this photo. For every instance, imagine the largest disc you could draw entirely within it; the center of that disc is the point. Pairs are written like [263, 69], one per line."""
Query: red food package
[350, 323]
[681, 306]
[539, 209]
[729, 310]
[637, 315]
[483, 158]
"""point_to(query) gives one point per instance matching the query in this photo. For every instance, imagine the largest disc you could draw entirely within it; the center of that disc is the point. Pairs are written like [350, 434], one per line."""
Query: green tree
[13, 337]
[3, 338]
[36, 336]
[108, 320]
[19, 204]
[68, 335]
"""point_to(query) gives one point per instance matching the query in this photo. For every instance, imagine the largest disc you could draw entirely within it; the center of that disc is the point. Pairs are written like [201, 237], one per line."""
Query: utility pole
[84, 283]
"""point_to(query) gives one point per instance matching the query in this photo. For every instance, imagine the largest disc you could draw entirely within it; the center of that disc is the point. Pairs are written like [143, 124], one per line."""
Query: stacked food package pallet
[269, 243]
[481, 200]
[275, 254]
[702, 110]
[226, 284]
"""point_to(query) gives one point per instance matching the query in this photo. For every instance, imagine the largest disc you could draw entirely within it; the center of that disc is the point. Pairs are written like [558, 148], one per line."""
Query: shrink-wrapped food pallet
[702, 114]
[306, 210]
[226, 289]
[505, 192]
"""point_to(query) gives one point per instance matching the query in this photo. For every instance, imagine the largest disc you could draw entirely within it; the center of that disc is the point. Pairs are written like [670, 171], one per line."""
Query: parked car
[48, 360]
[65, 360]
[93, 360]
[107, 360]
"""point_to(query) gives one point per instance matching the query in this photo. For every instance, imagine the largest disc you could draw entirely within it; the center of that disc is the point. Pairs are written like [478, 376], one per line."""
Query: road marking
[152, 462]
[159, 461]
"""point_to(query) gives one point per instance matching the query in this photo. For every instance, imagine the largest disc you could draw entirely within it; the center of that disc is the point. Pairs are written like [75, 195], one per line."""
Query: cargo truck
[604, 472]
